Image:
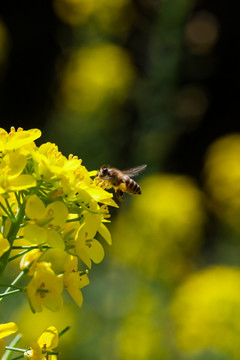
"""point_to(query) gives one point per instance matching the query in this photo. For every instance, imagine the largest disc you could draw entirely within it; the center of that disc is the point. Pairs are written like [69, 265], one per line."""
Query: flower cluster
[42, 349]
[49, 202]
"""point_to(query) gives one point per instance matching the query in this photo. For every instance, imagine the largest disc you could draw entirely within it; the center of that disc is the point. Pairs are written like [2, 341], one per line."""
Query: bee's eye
[105, 171]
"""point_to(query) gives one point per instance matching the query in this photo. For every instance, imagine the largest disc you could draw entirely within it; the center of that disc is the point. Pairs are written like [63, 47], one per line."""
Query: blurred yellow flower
[222, 175]
[206, 310]
[6, 330]
[73, 12]
[162, 229]
[140, 335]
[41, 320]
[96, 75]
[110, 16]
[45, 288]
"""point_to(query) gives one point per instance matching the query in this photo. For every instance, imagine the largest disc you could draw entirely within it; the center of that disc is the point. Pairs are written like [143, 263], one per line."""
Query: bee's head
[104, 172]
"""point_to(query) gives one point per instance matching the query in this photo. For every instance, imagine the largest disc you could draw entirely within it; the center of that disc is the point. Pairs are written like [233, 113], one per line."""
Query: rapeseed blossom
[49, 201]
[42, 349]
[47, 341]
[74, 280]
[45, 288]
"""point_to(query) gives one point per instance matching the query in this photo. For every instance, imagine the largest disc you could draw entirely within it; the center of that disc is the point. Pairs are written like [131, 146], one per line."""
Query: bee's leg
[97, 180]
[123, 187]
[107, 184]
[119, 194]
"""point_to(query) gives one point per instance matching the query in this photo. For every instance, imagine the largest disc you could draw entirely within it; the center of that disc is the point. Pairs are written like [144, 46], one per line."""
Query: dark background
[184, 96]
[28, 78]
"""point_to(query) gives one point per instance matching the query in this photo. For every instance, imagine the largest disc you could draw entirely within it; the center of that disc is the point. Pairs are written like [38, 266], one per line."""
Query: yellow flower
[48, 161]
[89, 249]
[47, 341]
[56, 213]
[17, 139]
[45, 221]
[85, 246]
[45, 288]
[6, 330]
[73, 280]
[11, 177]
[4, 245]
[63, 209]
[68, 175]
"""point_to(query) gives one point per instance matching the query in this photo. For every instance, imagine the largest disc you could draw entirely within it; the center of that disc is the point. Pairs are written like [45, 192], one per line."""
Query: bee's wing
[134, 171]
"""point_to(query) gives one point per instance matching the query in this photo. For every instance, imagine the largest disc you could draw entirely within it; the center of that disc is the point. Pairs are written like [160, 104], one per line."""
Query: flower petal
[7, 329]
[22, 182]
[55, 240]
[58, 211]
[35, 234]
[35, 208]
[105, 233]
[48, 340]
[95, 250]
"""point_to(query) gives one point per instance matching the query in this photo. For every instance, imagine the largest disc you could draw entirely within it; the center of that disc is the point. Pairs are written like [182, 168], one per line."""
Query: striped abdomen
[131, 185]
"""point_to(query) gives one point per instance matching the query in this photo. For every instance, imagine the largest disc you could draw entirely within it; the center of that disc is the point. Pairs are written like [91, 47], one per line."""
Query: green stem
[11, 348]
[17, 255]
[11, 237]
[27, 249]
[11, 286]
[19, 237]
[30, 247]
[8, 353]
[92, 211]
[9, 293]
[17, 196]
[84, 272]
[74, 219]
[15, 281]
[63, 331]
[49, 352]
[24, 350]
[5, 210]
[10, 209]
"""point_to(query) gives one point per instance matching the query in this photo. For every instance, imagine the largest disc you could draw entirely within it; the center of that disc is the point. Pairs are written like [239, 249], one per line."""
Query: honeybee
[121, 181]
